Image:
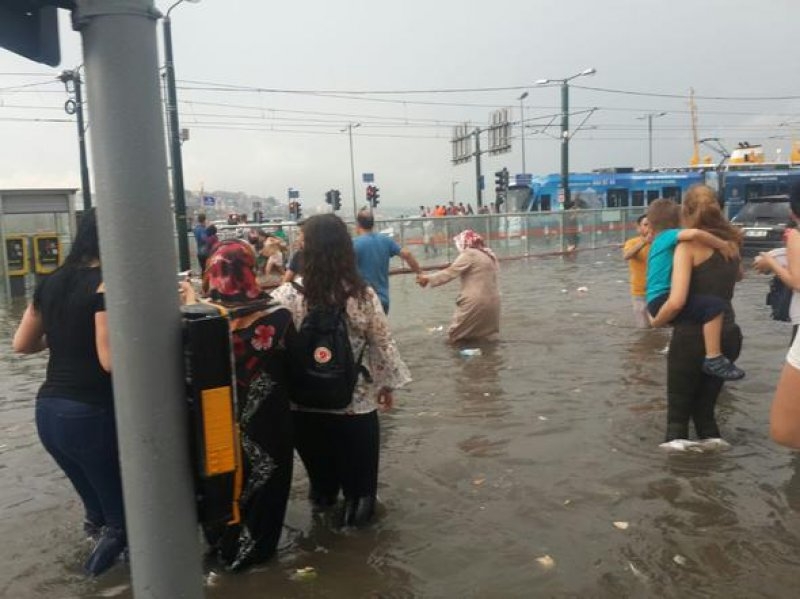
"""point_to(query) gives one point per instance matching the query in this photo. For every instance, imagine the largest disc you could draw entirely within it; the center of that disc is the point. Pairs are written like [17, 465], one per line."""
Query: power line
[684, 97]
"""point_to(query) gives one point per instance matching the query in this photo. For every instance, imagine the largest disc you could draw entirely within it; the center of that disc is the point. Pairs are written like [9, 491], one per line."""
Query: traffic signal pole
[565, 141]
[132, 192]
[478, 190]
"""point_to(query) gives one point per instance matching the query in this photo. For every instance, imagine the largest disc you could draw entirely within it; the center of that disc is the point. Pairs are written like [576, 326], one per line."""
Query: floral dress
[368, 325]
[260, 331]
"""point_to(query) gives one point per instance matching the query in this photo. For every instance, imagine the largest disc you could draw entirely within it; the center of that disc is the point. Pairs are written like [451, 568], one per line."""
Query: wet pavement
[490, 463]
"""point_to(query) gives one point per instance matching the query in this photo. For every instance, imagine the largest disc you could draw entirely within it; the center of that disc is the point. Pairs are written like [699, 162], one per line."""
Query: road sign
[367, 177]
[256, 205]
[209, 201]
[294, 193]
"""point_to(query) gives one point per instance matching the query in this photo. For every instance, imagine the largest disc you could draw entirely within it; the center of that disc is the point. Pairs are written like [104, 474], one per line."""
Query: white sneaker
[681, 445]
[664, 351]
[715, 443]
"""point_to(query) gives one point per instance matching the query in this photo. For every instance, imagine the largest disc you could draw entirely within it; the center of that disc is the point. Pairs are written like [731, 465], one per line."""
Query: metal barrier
[513, 235]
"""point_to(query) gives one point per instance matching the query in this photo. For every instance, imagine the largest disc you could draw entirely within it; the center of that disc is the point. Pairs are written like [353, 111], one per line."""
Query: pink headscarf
[470, 239]
[230, 273]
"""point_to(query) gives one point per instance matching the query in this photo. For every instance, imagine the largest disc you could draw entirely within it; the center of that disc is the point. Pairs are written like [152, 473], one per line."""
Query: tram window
[753, 190]
[637, 198]
[652, 196]
[544, 203]
[672, 193]
[617, 198]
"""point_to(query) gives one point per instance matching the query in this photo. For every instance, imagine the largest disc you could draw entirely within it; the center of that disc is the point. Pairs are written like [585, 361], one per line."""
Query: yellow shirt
[637, 266]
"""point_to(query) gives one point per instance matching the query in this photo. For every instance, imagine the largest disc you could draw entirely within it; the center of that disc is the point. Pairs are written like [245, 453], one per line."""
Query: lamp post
[522, 128]
[178, 193]
[349, 129]
[564, 83]
[650, 116]
[453, 190]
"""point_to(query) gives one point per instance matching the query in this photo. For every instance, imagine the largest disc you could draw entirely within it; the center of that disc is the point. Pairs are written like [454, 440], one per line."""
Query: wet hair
[664, 214]
[201, 218]
[365, 220]
[640, 218]
[330, 275]
[701, 210]
[84, 251]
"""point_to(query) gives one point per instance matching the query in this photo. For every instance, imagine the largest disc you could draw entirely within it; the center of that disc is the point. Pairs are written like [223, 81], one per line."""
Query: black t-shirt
[296, 262]
[68, 301]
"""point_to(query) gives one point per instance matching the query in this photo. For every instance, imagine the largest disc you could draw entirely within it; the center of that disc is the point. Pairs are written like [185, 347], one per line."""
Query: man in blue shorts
[373, 253]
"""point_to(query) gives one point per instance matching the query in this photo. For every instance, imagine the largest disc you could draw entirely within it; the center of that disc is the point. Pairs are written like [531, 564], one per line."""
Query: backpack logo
[322, 355]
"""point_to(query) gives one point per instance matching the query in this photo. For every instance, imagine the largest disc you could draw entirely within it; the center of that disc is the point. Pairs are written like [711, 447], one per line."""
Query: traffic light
[370, 189]
[298, 209]
[501, 186]
[30, 28]
[337, 200]
[329, 197]
[375, 196]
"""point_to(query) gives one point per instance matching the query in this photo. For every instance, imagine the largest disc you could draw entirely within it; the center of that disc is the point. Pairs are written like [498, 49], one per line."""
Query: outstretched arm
[406, 255]
[729, 249]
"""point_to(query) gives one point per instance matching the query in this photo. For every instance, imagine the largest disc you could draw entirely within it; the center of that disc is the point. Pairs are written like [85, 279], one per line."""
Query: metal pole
[478, 190]
[352, 172]
[522, 130]
[565, 141]
[453, 190]
[650, 140]
[176, 158]
[86, 186]
[130, 166]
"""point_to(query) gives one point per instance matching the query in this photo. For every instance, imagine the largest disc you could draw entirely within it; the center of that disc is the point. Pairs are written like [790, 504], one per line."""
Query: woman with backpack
[260, 331]
[338, 437]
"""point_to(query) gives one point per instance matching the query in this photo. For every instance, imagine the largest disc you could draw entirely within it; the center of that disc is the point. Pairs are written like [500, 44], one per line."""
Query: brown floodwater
[534, 448]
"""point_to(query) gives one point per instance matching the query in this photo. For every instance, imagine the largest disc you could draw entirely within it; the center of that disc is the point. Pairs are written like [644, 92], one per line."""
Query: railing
[509, 235]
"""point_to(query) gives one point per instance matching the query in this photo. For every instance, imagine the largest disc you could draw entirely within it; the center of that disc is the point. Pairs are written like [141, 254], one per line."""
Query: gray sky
[262, 142]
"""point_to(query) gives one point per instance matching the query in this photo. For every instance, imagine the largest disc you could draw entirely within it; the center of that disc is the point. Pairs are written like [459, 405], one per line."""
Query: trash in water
[621, 525]
[564, 291]
[474, 351]
[637, 572]
[307, 573]
[436, 329]
[543, 418]
[582, 289]
[546, 562]
[680, 560]
[478, 481]
[567, 501]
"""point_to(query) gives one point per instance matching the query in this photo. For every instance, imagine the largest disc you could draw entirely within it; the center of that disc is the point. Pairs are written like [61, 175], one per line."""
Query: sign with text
[368, 177]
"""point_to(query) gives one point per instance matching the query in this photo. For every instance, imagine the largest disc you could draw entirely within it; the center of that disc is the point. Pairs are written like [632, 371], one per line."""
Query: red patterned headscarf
[230, 273]
[470, 239]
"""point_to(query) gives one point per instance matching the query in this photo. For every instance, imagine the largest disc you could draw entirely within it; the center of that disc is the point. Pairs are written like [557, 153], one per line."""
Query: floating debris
[621, 525]
[469, 352]
[436, 329]
[637, 572]
[478, 481]
[567, 501]
[543, 418]
[680, 560]
[565, 291]
[307, 573]
[546, 562]
[582, 289]
[486, 394]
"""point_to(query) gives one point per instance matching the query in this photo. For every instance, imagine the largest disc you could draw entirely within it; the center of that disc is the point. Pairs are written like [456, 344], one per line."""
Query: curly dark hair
[330, 276]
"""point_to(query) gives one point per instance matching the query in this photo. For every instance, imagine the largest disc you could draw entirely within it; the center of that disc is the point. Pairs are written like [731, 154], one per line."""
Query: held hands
[764, 263]
[385, 399]
[422, 280]
[186, 293]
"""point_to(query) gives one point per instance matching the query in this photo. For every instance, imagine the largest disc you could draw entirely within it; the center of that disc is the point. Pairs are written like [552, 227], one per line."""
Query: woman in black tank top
[692, 394]
[75, 404]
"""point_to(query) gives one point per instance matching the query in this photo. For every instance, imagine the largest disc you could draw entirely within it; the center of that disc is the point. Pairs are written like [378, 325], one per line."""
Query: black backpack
[779, 298]
[322, 369]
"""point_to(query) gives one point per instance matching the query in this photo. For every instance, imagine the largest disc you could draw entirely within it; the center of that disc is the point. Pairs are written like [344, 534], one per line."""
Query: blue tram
[625, 187]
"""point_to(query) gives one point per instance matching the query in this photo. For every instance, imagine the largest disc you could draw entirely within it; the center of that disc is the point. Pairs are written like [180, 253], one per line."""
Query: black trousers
[692, 394]
[339, 452]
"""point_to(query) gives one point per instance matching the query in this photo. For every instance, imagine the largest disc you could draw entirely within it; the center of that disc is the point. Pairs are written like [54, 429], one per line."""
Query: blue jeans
[82, 438]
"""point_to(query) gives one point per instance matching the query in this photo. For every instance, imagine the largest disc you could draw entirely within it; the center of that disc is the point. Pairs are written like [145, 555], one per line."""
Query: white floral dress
[368, 324]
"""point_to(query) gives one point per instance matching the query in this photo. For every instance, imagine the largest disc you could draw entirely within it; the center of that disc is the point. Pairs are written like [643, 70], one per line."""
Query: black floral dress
[260, 331]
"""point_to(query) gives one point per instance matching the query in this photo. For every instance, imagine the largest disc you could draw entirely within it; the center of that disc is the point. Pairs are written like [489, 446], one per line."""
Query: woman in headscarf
[477, 314]
[260, 330]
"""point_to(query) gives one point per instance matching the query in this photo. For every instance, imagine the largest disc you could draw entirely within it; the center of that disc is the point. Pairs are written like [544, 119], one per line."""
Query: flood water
[534, 448]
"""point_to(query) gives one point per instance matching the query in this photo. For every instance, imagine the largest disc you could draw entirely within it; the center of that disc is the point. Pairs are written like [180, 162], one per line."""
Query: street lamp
[179, 195]
[75, 106]
[349, 129]
[650, 116]
[522, 127]
[453, 190]
[564, 83]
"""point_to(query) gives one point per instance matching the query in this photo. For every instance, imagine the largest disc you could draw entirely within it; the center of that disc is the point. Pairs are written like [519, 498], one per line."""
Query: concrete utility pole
[130, 167]
[478, 190]
[522, 128]
[349, 130]
[650, 116]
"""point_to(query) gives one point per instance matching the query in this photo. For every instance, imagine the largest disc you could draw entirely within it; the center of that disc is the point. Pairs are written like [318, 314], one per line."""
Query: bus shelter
[36, 230]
